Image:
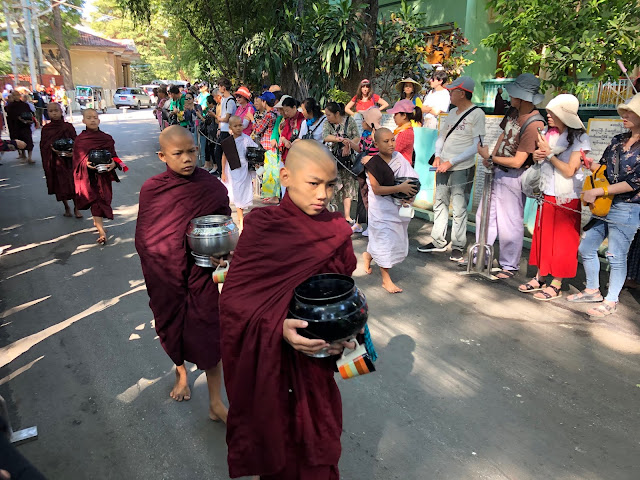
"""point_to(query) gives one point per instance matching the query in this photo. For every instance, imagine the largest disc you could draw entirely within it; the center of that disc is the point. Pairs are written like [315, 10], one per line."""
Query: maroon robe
[57, 170]
[183, 297]
[18, 130]
[93, 189]
[285, 410]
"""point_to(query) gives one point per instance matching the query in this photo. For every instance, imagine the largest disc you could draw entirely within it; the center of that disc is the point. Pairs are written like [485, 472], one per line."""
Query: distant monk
[58, 169]
[183, 297]
[285, 410]
[19, 121]
[94, 189]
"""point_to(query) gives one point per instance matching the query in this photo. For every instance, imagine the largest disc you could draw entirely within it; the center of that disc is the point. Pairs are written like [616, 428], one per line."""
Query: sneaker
[456, 255]
[365, 233]
[430, 247]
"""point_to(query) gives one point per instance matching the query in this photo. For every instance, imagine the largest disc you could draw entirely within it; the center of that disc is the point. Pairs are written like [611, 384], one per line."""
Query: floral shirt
[629, 169]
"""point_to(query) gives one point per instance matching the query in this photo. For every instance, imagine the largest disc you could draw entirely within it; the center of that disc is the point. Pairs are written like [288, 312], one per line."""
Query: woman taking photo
[556, 237]
[365, 99]
[315, 119]
[292, 126]
[622, 158]
[404, 114]
[341, 133]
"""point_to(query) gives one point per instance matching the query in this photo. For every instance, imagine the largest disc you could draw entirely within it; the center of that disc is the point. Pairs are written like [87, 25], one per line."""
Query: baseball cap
[267, 97]
[282, 99]
[464, 83]
[402, 106]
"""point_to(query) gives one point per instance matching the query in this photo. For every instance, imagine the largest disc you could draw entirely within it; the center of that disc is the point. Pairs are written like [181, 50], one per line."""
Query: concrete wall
[94, 67]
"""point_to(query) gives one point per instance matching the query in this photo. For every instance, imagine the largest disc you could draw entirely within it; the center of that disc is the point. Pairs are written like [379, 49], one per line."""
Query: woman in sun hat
[245, 109]
[622, 222]
[556, 236]
[365, 99]
[409, 89]
[405, 113]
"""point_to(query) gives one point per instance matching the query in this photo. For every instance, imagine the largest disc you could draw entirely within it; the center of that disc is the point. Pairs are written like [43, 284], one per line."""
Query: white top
[228, 107]
[439, 99]
[462, 138]
[317, 133]
[547, 170]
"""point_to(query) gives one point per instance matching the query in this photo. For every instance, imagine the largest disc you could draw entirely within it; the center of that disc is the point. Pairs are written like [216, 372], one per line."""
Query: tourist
[622, 222]
[176, 108]
[58, 168]
[245, 109]
[556, 236]
[270, 189]
[208, 131]
[285, 414]
[388, 231]
[455, 160]
[341, 133]
[183, 299]
[292, 127]
[94, 189]
[19, 122]
[227, 108]
[512, 154]
[315, 119]
[160, 110]
[404, 114]
[364, 99]
[437, 100]
[409, 89]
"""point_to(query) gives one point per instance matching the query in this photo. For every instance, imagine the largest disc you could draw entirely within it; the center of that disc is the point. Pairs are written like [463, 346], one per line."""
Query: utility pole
[38, 43]
[14, 65]
[28, 22]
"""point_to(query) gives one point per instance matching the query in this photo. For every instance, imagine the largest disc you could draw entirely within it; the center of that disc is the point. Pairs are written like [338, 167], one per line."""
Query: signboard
[601, 131]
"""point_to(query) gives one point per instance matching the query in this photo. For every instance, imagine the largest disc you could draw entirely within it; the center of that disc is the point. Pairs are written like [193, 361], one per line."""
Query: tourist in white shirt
[436, 101]
[455, 163]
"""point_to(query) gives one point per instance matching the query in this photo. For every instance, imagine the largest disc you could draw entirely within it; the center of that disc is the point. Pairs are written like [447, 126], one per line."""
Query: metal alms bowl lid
[211, 225]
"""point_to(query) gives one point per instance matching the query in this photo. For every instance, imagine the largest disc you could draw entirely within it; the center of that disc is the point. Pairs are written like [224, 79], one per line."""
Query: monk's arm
[382, 190]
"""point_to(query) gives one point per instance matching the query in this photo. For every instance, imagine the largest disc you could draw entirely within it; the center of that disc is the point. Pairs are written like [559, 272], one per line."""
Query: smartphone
[539, 130]
[432, 169]
[480, 140]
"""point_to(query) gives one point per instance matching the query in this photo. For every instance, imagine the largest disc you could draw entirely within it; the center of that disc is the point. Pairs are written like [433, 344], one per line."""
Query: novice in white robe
[388, 231]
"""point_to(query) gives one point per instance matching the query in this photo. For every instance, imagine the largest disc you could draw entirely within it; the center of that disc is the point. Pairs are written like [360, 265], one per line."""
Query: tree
[566, 40]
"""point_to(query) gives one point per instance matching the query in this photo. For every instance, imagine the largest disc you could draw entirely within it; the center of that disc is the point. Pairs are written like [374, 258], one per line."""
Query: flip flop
[507, 274]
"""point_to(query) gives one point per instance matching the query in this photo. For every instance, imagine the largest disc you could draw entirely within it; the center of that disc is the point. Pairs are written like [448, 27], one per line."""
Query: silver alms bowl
[211, 236]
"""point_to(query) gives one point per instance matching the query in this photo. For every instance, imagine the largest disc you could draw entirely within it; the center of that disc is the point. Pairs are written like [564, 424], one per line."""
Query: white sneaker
[366, 232]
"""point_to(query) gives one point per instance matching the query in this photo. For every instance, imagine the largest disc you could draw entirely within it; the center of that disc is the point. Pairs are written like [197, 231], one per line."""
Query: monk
[58, 167]
[285, 414]
[93, 189]
[183, 297]
[19, 121]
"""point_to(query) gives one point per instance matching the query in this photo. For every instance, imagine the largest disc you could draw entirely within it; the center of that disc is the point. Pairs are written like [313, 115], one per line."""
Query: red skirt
[556, 238]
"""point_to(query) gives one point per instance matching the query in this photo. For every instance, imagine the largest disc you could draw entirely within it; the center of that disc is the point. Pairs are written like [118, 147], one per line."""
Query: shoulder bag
[433, 157]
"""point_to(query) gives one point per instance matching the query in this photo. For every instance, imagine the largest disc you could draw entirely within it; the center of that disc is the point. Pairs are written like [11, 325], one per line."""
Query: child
[285, 416]
[57, 169]
[183, 298]
[388, 237]
[235, 169]
[94, 189]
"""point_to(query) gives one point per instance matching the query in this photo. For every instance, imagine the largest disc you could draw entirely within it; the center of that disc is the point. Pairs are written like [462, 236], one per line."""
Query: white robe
[388, 231]
[239, 180]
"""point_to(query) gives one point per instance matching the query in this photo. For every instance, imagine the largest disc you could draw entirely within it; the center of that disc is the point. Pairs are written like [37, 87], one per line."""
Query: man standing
[512, 155]
[455, 162]
[227, 110]
[176, 107]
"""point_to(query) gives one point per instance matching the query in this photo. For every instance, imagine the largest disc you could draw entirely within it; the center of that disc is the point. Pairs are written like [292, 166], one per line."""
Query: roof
[87, 40]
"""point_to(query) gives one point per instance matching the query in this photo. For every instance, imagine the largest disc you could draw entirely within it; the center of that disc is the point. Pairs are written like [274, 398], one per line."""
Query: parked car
[131, 97]
[148, 89]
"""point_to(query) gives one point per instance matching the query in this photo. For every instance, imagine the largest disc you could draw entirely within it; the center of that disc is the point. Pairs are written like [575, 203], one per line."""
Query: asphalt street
[474, 380]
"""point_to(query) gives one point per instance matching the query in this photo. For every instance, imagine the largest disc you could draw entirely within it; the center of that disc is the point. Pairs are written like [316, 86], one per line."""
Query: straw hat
[631, 105]
[565, 107]
[400, 85]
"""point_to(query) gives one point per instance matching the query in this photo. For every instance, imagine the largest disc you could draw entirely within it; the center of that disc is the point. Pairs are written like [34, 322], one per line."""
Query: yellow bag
[601, 206]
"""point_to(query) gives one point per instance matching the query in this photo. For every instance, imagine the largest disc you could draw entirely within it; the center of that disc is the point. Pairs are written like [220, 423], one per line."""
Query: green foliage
[567, 40]
[5, 58]
[337, 95]
[70, 17]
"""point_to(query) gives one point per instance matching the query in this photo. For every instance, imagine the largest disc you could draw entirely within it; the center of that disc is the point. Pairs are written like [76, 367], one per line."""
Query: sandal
[506, 274]
[602, 310]
[529, 287]
[584, 297]
[545, 296]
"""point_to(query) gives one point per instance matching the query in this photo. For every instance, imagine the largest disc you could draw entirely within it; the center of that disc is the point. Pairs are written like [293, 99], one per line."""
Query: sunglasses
[188, 98]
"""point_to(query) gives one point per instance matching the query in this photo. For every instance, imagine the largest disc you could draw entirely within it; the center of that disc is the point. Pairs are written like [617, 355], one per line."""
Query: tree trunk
[367, 46]
[64, 57]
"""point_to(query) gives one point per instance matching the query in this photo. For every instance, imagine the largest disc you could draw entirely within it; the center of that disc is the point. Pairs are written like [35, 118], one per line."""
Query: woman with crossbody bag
[315, 119]
[622, 158]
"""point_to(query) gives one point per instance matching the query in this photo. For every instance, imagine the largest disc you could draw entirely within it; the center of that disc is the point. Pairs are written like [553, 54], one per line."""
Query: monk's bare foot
[102, 240]
[391, 287]
[217, 412]
[181, 390]
[77, 213]
[67, 213]
[367, 262]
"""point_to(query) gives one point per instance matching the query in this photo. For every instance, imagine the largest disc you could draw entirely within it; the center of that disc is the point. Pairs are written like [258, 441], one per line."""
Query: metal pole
[14, 65]
[36, 31]
[29, 41]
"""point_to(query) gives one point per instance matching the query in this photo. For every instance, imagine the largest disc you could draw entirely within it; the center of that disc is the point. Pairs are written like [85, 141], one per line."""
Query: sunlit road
[474, 380]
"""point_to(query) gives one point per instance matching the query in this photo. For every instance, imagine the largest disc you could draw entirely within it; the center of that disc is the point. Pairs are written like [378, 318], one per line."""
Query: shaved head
[304, 151]
[381, 133]
[172, 135]
[89, 110]
[234, 119]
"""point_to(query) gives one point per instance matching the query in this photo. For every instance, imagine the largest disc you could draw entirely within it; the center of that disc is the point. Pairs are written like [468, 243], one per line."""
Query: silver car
[131, 97]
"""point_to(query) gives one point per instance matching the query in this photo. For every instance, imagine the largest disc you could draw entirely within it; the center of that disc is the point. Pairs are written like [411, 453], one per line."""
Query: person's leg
[181, 390]
[67, 209]
[76, 212]
[367, 262]
[102, 234]
[459, 202]
[217, 409]
[240, 217]
[588, 251]
[29, 154]
[510, 220]
[387, 284]
[441, 210]
[346, 202]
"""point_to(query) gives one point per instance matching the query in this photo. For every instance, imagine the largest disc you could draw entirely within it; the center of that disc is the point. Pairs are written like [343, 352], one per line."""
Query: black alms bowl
[63, 145]
[255, 156]
[332, 304]
[412, 181]
[100, 157]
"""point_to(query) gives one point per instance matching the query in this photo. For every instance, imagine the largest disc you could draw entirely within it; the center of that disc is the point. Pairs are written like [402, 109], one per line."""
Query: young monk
[285, 416]
[388, 236]
[93, 189]
[58, 169]
[183, 297]
[235, 169]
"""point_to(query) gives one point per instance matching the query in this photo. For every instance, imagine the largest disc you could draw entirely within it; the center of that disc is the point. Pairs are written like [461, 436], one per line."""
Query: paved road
[474, 381]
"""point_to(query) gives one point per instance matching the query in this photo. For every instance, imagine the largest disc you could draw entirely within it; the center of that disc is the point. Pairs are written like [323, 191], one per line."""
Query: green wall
[471, 17]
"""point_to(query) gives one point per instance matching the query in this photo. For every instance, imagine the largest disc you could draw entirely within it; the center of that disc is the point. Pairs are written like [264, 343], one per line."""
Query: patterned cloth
[264, 128]
[271, 176]
[629, 166]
